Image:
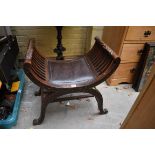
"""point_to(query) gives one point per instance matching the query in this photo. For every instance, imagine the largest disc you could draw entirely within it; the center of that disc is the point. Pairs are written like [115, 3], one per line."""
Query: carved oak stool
[58, 79]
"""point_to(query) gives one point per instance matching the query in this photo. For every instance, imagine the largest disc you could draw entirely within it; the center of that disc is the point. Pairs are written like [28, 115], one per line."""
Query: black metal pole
[59, 49]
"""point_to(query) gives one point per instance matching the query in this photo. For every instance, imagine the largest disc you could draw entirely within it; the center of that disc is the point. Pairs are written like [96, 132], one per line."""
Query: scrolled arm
[31, 48]
[107, 48]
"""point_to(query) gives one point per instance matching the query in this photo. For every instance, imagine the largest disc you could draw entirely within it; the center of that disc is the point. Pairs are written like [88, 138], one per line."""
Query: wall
[74, 39]
[96, 31]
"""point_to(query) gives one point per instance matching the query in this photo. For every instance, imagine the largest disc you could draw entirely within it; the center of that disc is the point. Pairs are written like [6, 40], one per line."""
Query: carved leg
[38, 93]
[42, 115]
[99, 100]
[44, 104]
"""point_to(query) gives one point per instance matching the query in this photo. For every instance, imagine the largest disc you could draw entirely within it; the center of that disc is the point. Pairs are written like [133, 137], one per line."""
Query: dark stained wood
[59, 49]
[58, 78]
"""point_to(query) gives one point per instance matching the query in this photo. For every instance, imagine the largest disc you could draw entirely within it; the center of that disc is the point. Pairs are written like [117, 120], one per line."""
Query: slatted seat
[58, 78]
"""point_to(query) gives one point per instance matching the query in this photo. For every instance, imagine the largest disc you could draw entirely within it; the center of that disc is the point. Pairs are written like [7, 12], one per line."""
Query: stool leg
[99, 100]
[43, 110]
[42, 115]
[38, 93]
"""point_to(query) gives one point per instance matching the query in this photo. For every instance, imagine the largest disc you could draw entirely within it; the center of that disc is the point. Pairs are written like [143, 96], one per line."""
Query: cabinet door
[142, 113]
[140, 33]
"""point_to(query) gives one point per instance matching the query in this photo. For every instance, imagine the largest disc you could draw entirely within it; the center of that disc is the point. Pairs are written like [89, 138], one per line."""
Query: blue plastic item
[12, 119]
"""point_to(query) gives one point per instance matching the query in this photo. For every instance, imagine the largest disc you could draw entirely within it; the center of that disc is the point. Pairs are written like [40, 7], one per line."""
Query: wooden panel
[137, 33]
[125, 71]
[113, 36]
[131, 52]
[142, 113]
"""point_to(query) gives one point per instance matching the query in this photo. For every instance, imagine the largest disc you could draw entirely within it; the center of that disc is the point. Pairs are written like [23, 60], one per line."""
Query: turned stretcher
[60, 80]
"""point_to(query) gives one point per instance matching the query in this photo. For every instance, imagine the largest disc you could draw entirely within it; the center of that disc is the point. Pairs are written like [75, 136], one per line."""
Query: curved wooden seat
[57, 78]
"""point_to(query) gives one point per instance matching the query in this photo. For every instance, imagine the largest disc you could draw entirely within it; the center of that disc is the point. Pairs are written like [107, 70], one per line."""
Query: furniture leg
[38, 93]
[42, 115]
[102, 110]
[59, 49]
[43, 110]
[99, 100]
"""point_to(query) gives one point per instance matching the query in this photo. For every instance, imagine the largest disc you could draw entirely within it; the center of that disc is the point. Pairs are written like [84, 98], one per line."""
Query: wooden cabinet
[127, 42]
[142, 113]
[140, 33]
